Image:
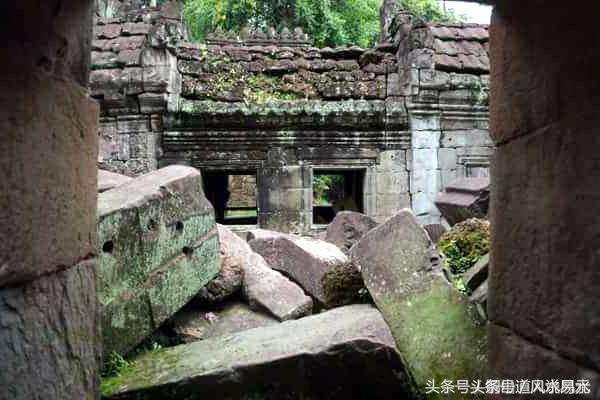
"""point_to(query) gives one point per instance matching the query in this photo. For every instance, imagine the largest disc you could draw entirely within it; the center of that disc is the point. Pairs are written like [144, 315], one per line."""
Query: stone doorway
[233, 195]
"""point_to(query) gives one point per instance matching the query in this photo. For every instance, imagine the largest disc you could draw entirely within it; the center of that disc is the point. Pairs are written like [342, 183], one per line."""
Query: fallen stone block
[263, 287]
[432, 324]
[345, 353]
[263, 234]
[479, 299]
[343, 285]
[158, 246]
[227, 283]
[305, 260]
[109, 180]
[477, 274]
[435, 232]
[347, 228]
[463, 199]
[192, 325]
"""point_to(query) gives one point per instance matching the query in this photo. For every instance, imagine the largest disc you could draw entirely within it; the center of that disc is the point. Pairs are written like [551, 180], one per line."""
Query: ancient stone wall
[133, 76]
[49, 331]
[410, 115]
[544, 304]
[445, 74]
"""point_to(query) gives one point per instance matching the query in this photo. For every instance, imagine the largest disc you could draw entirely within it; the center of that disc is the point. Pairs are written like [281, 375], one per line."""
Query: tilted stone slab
[347, 228]
[109, 180]
[193, 324]
[346, 353]
[477, 274]
[305, 260]
[158, 247]
[263, 287]
[432, 324]
[464, 199]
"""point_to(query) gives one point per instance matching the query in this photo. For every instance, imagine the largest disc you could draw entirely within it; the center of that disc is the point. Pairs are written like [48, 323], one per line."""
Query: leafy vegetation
[114, 365]
[465, 244]
[429, 10]
[327, 22]
[324, 187]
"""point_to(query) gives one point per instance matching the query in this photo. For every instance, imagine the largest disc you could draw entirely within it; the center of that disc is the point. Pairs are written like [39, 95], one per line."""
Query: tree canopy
[327, 22]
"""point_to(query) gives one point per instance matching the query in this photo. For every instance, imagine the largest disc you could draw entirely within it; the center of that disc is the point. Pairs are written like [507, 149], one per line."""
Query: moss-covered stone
[345, 353]
[436, 330]
[158, 247]
[465, 244]
[344, 285]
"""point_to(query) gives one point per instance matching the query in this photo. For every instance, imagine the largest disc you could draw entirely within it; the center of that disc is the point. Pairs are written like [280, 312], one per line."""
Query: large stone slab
[347, 228]
[346, 353]
[109, 180]
[305, 260]
[431, 323]
[226, 284]
[463, 199]
[192, 325]
[158, 247]
[263, 287]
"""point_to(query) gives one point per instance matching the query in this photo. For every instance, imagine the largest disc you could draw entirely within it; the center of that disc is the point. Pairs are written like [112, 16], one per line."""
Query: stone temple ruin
[397, 123]
[85, 276]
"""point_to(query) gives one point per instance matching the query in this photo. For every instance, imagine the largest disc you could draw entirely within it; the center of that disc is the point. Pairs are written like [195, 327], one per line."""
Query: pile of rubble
[274, 315]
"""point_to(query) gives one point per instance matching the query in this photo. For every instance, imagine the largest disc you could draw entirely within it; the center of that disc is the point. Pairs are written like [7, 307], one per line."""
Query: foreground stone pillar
[545, 276]
[49, 345]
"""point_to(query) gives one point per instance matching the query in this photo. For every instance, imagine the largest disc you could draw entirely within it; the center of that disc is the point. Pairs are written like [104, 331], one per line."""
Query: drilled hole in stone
[152, 225]
[188, 251]
[179, 226]
[108, 247]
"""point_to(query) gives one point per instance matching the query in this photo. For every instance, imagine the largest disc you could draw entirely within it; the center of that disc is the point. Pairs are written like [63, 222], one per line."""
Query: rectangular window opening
[335, 191]
[233, 195]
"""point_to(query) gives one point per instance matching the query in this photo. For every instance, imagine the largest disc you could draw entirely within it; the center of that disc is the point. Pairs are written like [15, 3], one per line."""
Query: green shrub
[114, 365]
[464, 244]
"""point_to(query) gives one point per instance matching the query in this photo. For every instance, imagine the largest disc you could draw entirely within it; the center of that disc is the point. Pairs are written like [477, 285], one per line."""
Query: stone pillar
[544, 299]
[284, 193]
[391, 179]
[49, 347]
[425, 177]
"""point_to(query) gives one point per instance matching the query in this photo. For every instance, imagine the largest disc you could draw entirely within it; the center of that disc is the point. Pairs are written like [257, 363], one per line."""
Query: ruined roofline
[258, 37]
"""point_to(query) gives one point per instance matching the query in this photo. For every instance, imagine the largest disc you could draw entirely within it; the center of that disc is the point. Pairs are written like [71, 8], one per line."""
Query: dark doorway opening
[335, 191]
[233, 195]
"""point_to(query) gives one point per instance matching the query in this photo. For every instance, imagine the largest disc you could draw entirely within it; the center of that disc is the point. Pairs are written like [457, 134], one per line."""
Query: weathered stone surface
[43, 234]
[343, 285]
[158, 248]
[545, 281]
[55, 320]
[521, 359]
[477, 274]
[49, 342]
[347, 228]
[435, 231]
[108, 180]
[224, 285]
[463, 199]
[192, 325]
[263, 287]
[432, 325]
[305, 260]
[343, 353]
